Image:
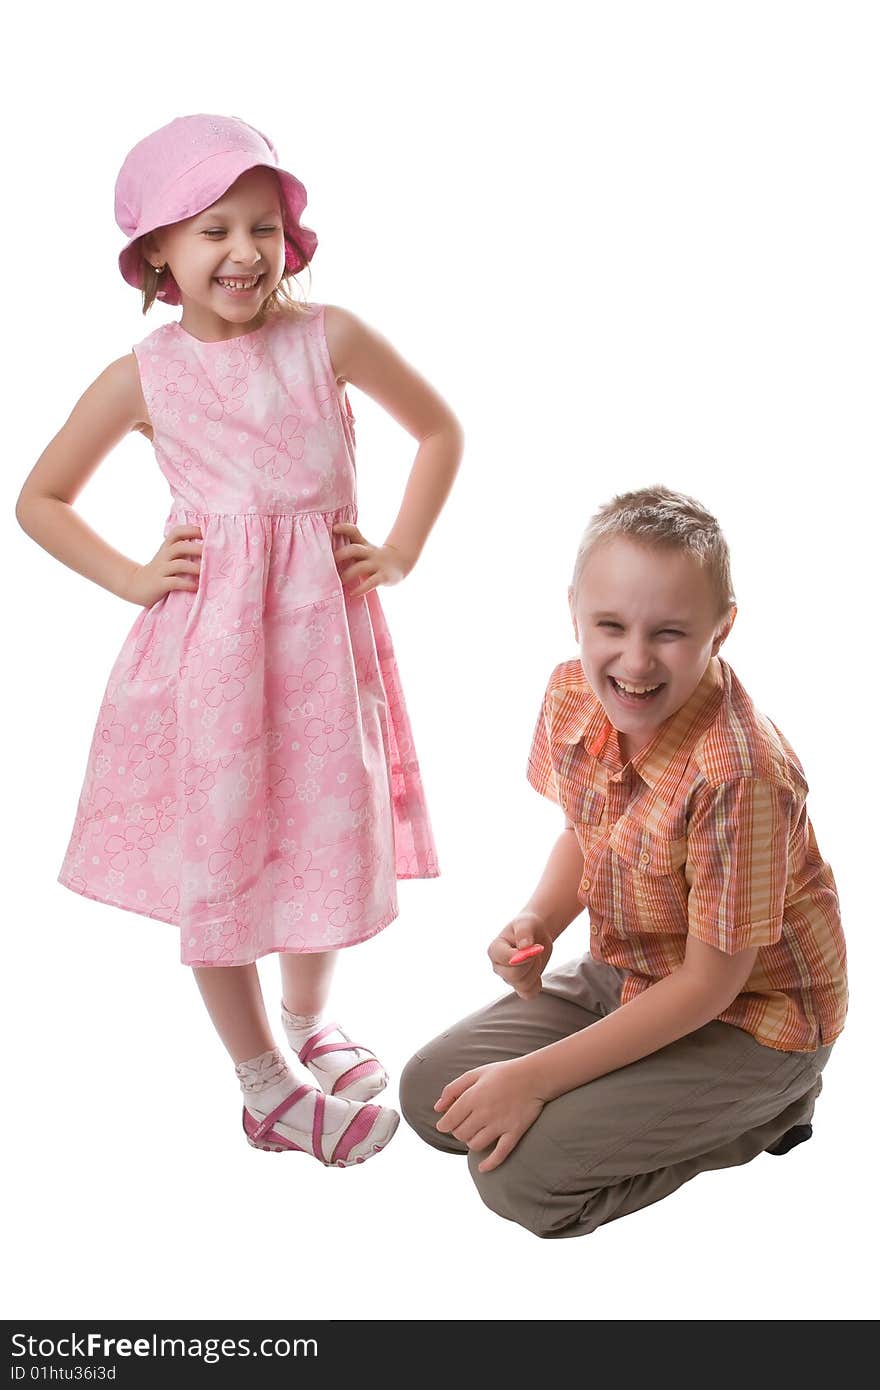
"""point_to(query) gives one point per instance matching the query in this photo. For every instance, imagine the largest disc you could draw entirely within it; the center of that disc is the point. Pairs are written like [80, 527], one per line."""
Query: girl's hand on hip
[367, 566]
[175, 565]
[494, 1104]
[527, 929]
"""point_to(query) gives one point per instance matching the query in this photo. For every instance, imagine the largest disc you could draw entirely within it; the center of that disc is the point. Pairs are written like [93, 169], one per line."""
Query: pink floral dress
[252, 777]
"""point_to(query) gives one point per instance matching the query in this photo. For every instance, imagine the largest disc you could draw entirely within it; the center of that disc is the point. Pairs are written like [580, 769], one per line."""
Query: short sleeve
[541, 773]
[737, 864]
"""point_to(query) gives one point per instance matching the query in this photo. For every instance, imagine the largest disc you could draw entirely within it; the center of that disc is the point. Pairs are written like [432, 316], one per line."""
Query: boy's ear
[723, 632]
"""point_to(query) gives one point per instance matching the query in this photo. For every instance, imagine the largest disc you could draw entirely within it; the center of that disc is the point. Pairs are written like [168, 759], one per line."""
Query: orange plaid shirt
[704, 832]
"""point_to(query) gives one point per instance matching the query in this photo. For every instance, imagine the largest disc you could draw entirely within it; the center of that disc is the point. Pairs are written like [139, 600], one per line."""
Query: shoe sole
[297, 1148]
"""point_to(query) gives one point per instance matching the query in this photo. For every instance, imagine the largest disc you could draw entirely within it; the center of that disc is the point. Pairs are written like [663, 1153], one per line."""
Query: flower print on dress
[179, 381]
[224, 398]
[110, 730]
[307, 790]
[349, 781]
[250, 621]
[130, 849]
[367, 671]
[284, 446]
[327, 398]
[190, 464]
[250, 776]
[346, 905]
[202, 747]
[199, 780]
[106, 805]
[299, 876]
[243, 644]
[279, 788]
[413, 865]
[233, 573]
[152, 757]
[236, 852]
[315, 634]
[321, 395]
[247, 355]
[225, 682]
[306, 690]
[161, 816]
[169, 904]
[225, 942]
[330, 732]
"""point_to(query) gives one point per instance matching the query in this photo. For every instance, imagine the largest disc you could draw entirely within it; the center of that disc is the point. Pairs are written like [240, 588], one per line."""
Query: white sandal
[361, 1078]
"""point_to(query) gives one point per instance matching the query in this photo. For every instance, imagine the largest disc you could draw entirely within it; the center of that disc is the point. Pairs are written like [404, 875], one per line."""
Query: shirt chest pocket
[584, 808]
[641, 886]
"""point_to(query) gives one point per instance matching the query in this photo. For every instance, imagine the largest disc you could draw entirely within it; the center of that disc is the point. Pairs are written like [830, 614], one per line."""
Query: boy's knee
[418, 1091]
[515, 1192]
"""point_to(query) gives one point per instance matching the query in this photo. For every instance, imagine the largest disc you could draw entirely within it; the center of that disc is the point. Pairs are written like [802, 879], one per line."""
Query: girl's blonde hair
[661, 519]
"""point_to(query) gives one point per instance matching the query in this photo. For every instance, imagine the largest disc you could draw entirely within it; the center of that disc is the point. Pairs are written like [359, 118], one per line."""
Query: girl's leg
[341, 1067]
[305, 982]
[234, 1000]
[335, 1130]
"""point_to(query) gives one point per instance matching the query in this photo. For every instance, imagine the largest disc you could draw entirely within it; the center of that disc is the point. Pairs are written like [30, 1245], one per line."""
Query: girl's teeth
[238, 284]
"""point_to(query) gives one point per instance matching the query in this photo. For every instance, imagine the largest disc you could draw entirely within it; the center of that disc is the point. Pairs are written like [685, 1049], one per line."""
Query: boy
[694, 1034]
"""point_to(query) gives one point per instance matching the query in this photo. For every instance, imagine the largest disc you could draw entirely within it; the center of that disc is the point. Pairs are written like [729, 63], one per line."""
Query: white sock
[299, 1027]
[267, 1080]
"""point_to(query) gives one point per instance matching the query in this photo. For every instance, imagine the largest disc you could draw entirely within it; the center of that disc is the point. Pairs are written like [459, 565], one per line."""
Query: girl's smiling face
[647, 622]
[226, 260]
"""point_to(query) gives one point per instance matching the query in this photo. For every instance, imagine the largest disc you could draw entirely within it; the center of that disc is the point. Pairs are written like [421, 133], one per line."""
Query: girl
[252, 777]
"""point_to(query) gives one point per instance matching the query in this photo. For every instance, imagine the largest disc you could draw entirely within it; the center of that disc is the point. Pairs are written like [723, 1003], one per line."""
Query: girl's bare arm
[110, 409]
[367, 360]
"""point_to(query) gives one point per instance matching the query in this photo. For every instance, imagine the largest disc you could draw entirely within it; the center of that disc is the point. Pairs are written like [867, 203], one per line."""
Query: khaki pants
[714, 1099]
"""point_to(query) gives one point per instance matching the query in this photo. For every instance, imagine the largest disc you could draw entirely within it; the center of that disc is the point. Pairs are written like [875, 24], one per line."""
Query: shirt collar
[586, 722]
[683, 727]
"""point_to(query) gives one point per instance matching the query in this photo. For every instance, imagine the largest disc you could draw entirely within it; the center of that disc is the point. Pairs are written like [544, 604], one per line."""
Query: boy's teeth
[635, 689]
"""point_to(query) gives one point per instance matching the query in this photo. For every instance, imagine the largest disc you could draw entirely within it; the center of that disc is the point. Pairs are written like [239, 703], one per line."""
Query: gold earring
[160, 269]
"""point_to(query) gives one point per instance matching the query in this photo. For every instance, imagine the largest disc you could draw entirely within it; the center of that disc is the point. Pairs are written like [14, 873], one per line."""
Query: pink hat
[183, 168]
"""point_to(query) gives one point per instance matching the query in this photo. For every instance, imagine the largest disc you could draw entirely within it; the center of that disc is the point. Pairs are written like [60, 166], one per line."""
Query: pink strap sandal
[373, 1123]
[361, 1081]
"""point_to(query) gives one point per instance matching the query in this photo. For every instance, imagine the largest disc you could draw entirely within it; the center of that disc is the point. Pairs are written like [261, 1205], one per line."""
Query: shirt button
[594, 931]
[645, 858]
[585, 883]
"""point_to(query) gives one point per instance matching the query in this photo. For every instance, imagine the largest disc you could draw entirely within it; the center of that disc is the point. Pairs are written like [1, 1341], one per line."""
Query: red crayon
[525, 954]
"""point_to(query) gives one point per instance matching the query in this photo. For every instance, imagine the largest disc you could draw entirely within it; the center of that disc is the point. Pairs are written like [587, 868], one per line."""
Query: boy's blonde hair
[661, 519]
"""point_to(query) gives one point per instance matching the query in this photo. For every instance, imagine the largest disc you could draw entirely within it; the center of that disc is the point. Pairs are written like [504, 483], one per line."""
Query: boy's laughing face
[648, 625]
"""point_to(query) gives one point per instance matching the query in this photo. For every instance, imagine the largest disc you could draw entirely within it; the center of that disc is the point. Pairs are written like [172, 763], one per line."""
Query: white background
[629, 243]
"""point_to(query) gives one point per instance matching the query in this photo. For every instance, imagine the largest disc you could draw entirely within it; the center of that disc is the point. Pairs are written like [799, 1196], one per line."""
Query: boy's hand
[175, 565]
[525, 930]
[367, 566]
[494, 1104]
